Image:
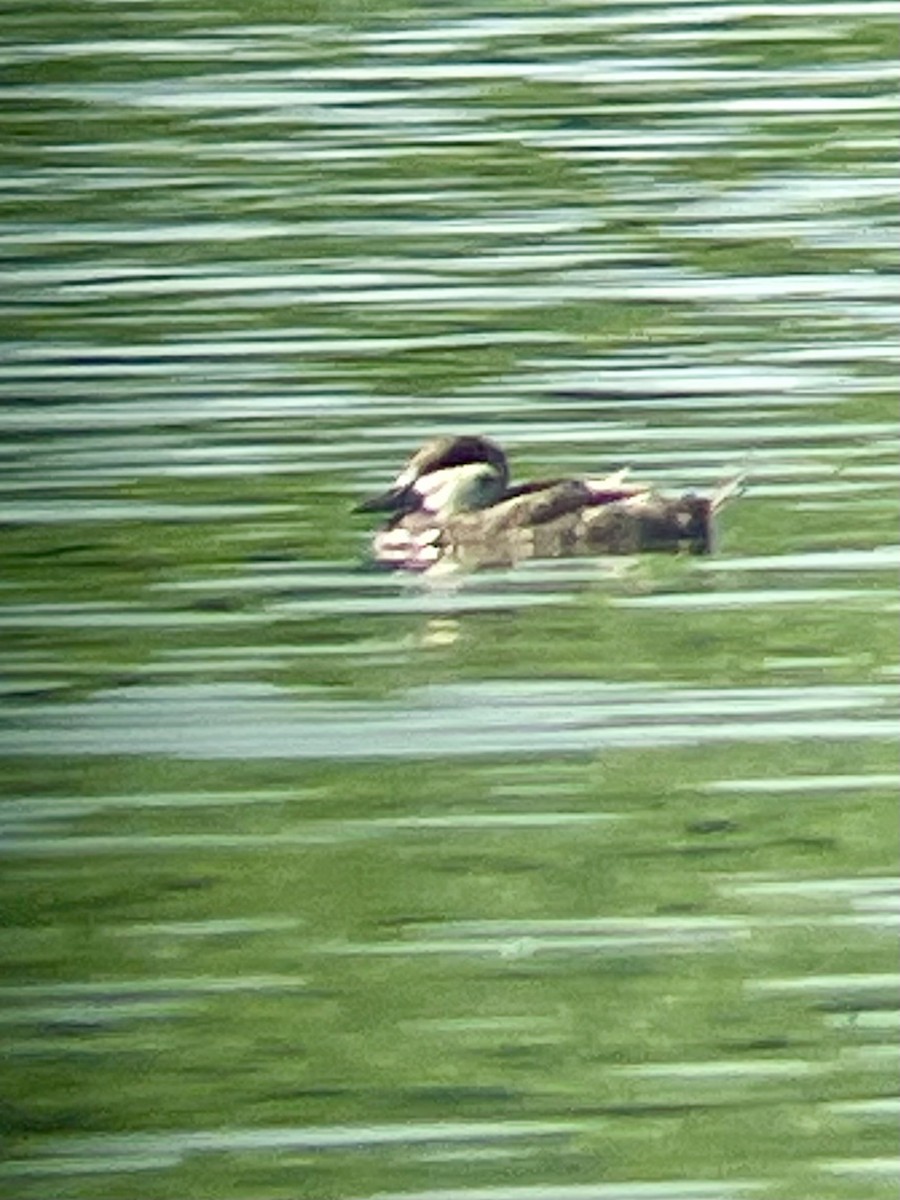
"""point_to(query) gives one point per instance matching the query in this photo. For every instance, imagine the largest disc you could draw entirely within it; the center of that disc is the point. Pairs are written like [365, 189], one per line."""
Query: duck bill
[396, 500]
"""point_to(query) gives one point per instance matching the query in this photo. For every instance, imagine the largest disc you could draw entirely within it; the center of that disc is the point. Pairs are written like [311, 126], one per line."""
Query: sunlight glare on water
[574, 880]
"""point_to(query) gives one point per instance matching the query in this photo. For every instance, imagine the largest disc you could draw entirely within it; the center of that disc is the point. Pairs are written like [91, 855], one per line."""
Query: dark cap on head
[445, 452]
[440, 454]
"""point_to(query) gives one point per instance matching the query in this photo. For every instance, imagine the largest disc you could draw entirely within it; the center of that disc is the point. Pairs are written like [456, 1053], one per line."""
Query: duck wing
[566, 519]
[537, 503]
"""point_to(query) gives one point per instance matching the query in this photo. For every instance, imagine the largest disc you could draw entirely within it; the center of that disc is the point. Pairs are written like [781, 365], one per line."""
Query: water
[573, 881]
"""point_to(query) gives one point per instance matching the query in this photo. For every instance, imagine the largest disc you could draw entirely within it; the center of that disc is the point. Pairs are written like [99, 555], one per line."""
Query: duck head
[449, 475]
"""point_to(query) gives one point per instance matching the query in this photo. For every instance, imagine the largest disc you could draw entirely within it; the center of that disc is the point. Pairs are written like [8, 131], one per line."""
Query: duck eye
[487, 483]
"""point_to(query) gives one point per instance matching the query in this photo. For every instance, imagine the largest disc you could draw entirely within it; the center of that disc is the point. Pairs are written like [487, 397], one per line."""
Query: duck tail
[729, 488]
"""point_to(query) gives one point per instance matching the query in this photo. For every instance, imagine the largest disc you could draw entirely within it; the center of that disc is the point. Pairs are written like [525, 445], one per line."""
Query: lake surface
[574, 881]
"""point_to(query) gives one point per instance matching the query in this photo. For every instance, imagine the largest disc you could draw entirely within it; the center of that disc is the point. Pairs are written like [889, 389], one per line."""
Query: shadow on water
[577, 880]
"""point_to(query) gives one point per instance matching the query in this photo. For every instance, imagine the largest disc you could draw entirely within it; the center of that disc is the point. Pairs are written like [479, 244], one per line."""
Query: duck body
[453, 504]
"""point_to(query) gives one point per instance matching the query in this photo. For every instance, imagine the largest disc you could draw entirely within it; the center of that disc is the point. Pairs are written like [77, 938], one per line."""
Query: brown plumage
[453, 504]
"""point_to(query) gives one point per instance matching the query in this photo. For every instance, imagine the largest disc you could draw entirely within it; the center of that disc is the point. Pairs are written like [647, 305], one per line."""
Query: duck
[453, 505]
